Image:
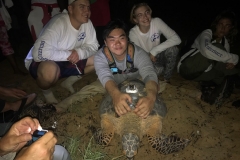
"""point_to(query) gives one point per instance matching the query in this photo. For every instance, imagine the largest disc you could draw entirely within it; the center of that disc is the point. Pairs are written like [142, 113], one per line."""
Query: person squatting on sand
[146, 34]
[128, 62]
[65, 48]
[13, 145]
[210, 62]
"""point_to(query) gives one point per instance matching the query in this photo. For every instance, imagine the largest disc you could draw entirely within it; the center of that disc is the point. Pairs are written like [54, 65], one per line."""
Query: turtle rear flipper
[168, 144]
[103, 138]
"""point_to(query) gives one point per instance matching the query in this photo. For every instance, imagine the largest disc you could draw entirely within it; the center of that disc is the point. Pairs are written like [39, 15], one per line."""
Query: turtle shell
[136, 89]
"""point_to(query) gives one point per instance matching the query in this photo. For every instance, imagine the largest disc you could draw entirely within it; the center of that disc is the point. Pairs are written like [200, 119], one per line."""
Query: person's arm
[91, 45]
[149, 76]
[42, 149]
[146, 104]
[106, 78]
[12, 92]
[46, 46]
[172, 39]
[119, 99]
[18, 135]
[208, 50]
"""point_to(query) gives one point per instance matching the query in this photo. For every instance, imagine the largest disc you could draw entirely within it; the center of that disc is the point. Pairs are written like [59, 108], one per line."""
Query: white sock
[67, 83]
[50, 98]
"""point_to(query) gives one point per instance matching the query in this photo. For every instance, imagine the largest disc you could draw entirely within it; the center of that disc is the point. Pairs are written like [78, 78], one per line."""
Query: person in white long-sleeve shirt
[147, 33]
[209, 59]
[65, 48]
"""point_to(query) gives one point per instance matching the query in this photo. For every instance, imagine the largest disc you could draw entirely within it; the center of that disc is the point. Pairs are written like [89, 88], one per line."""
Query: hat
[71, 1]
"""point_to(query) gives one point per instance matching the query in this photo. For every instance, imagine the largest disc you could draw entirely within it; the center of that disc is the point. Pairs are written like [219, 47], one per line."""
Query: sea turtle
[132, 128]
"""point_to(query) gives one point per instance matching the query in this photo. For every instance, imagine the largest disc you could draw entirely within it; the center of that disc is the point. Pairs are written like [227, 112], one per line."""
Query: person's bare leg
[48, 73]
[89, 65]
[68, 82]
[15, 105]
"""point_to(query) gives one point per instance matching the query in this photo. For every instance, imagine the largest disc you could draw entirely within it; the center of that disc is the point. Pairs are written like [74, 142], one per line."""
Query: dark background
[185, 17]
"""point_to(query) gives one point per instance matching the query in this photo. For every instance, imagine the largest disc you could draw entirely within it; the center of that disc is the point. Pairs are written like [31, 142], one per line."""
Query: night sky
[182, 15]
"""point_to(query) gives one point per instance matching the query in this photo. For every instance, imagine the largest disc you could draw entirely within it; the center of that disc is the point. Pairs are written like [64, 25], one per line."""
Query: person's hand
[42, 149]
[13, 92]
[73, 58]
[120, 103]
[153, 58]
[230, 65]
[144, 106]
[18, 135]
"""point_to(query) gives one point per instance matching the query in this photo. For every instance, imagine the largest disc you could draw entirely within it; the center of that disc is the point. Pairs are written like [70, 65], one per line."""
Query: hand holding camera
[23, 131]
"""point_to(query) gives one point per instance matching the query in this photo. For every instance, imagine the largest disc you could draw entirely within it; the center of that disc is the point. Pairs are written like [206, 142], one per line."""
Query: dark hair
[114, 24]
[232, 17]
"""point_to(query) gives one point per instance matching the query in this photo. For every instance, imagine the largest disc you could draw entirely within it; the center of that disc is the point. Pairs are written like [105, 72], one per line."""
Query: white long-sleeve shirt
[59, 37]
[150, 41]
[204, 45]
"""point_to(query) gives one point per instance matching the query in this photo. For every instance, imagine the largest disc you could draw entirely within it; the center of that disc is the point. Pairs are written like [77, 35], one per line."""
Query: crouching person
[65, 48]
[120, 60]
[210, 62]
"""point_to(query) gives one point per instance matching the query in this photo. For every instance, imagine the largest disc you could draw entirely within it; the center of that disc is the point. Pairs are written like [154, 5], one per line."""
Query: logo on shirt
[81, 36]
[40, 49]
[155, 36]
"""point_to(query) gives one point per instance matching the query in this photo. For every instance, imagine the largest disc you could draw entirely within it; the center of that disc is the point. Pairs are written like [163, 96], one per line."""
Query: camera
[36, 135]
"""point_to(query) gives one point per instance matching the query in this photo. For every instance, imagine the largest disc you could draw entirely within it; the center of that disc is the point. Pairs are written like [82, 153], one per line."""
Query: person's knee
[48, 71]
[172, 51]
[60, 153]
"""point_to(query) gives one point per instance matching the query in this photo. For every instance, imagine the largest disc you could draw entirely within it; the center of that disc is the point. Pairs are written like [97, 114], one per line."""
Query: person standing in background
[5, 45]
[100, 16]
[41, 12]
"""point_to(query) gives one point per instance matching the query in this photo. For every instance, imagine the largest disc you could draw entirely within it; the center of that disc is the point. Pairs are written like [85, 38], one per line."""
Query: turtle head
[130, 143]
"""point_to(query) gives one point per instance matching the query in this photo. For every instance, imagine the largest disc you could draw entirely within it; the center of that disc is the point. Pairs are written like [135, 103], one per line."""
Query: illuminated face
[223, 27]
[142, 16]
[117, 42]
[79, 12]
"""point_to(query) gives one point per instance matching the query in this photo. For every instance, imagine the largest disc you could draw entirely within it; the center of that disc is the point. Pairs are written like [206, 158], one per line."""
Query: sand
[217, 129]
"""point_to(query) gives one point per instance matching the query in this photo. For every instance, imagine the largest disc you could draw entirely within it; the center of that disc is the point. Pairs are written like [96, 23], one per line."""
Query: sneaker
[207, 87]
[216, 95]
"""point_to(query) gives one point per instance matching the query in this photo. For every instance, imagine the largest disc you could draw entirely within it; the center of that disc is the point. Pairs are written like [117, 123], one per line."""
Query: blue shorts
[66, 68]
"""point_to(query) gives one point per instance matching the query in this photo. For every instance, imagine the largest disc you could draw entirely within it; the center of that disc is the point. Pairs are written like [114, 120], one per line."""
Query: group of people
[67, 47]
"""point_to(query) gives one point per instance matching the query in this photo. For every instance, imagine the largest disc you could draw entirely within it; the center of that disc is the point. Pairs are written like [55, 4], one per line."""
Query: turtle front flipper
[168, 144]
[104, 135]
[130, 143]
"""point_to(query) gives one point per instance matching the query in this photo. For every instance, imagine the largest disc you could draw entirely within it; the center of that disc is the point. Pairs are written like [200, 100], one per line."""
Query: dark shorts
[66, 68]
